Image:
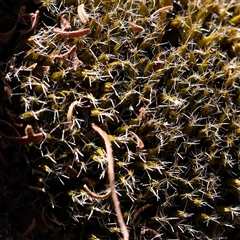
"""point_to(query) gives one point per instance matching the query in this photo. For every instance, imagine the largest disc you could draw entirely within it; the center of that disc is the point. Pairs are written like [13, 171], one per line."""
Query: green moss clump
[173, 81]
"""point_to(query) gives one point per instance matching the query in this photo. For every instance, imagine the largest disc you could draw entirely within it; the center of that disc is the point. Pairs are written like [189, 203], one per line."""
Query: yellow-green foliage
[173, 80]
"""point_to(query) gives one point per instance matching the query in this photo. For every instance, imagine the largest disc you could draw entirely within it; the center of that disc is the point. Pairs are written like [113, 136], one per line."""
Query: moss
[175, 84]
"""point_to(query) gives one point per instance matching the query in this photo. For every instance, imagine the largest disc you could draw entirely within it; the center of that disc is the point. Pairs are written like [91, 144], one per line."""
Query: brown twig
[30, 228]
[46, 222]
[76, 62]
[64, 23]
[140, 143]
[141, 209]
[34, 20]
[136, 28]
[163, 9]
[70, 52]
[70, 112]
[111, 179]
[95, 195]
[71, 108]
[151, 231]
[30, 136]
[82, 14]
[72, 34]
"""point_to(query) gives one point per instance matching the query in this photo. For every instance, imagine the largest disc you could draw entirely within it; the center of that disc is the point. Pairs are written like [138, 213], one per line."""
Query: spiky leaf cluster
[175, 84]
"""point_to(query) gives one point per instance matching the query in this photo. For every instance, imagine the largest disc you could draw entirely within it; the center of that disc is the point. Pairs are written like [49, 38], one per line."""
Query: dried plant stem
[72, 34]
[30, 136]
[141, 209]
[136, 28]
[46, 222]
[75, 61]
[163, 9]
[65, 24]
[70, 112]
[140, 143]
[30, 228]
[111, 178]
[34, 20]
[70, 52]
[82, 14]
[95, 195]
[151, 231]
